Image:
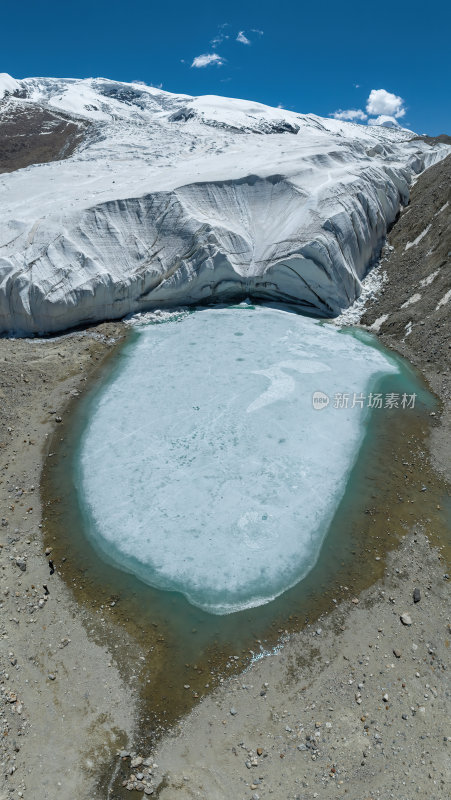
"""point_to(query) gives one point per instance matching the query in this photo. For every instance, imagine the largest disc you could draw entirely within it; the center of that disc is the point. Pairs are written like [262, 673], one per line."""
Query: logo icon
[320, 400]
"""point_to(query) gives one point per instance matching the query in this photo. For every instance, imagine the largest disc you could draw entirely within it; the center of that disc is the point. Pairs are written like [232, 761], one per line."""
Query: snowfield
[176, 200]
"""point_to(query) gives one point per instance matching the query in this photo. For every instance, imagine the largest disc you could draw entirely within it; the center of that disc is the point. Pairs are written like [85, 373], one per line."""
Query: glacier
[173, 199]
[205, 469]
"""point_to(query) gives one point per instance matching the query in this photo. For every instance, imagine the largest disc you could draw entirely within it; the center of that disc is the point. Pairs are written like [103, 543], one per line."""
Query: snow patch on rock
[418, 239]
[377, 324]
[427, 281]
[8, 85]
[445, 299]
[412, 300]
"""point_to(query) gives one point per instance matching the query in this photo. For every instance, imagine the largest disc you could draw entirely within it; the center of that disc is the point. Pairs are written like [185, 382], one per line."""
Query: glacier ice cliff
[176, 200]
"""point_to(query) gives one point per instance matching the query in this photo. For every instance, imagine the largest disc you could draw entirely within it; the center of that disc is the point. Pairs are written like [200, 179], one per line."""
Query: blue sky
[319, 57]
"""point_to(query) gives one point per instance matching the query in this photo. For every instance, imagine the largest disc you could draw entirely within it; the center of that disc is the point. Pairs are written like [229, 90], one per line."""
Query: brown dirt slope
[30, 134]
[417, 268]
[414, 305]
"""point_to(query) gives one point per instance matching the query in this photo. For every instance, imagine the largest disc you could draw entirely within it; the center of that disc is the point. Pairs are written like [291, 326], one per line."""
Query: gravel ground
[358, 705]
[64, 705]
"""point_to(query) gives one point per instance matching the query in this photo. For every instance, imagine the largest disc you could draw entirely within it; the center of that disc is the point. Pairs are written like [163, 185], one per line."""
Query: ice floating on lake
[205, 469]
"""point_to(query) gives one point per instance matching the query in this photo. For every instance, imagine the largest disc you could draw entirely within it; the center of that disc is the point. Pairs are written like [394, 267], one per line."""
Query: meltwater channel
[204, 468]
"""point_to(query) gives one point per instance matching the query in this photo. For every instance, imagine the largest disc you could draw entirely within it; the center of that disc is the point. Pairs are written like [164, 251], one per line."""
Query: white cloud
[208, 58]
[242, 38]
[221, 36]
[382, 102]
[385, 120]
[219, 39]
[351, 114]
[257, 31]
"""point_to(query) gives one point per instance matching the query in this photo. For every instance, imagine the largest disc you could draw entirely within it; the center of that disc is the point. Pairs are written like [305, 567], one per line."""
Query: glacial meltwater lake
[200, 489]
[205, 468]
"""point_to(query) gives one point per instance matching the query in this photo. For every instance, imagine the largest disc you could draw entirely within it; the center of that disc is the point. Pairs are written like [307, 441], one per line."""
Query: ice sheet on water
[205, 468]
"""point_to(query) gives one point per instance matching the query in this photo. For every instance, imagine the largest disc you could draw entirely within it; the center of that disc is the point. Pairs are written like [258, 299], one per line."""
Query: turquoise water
[203, 468]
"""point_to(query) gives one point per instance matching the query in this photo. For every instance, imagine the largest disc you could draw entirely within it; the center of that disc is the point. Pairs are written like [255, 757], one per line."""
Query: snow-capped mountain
[169, 199]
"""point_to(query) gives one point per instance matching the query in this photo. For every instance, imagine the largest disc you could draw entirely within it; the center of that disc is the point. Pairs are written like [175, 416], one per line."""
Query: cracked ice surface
[204, 467]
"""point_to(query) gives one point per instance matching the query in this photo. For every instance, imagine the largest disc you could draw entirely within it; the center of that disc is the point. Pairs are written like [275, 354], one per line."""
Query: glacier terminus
[174, 200]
